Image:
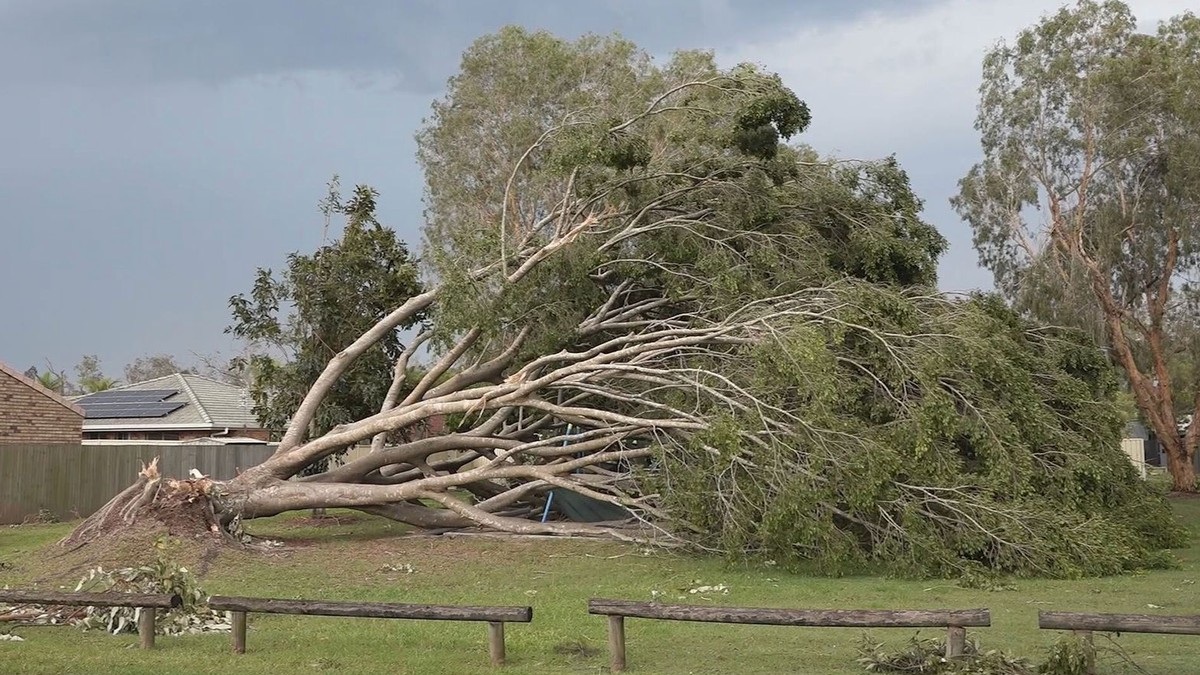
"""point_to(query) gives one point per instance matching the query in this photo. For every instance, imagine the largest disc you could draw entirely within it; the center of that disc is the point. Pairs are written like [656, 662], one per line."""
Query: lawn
[368, 559]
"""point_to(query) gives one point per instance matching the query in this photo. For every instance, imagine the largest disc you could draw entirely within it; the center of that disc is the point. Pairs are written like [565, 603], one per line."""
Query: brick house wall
[30, 413]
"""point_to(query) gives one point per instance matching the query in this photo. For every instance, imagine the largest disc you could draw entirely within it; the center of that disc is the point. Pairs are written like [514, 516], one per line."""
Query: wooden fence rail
[148, 604]
[1084, 624]
[955, 621]
[496, 617]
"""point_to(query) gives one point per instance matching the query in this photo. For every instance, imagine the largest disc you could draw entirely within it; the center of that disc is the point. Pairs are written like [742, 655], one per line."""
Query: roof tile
[211, 404]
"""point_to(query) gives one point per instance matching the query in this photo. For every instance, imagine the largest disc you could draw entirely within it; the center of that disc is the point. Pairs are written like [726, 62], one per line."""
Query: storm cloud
[156, 153]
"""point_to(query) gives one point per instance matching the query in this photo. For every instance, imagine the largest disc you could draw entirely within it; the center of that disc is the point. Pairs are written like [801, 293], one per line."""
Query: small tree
[153, 367]
[1086, 206]
[91, 378]
[319, 305]
[53, 381]
[230, 370]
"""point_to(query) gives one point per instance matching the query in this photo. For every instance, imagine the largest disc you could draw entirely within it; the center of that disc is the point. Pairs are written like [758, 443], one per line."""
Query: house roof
[208, 404]
[37, 386]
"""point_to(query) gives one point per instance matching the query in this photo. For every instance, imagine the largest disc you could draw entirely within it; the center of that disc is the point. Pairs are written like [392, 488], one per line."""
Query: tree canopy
[1086, 206]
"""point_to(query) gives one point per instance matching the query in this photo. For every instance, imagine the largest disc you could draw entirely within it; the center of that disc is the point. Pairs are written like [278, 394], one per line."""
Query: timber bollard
[145, 604]
[496, 642]
[237, 622]
[146, 617]
[1083, 624]
[616, 642]
[955, 621]
[956, 641]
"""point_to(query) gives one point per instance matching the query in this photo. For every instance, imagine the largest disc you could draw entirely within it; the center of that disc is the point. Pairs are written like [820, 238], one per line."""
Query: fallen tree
[642, 295]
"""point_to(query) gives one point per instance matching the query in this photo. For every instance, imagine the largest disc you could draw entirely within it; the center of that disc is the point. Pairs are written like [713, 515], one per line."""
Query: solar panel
[128, 396]
[119, 410]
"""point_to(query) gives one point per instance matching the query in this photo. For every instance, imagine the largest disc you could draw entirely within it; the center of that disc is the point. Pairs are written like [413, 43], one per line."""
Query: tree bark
[1154, 397]
[1181, 463]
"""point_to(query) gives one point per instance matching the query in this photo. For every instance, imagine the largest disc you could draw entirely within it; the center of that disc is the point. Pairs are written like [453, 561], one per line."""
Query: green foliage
[888, 426]
[153, 366]
[531, 117]
[970, 443]
[318, 306]
[1069, 655]
[52, 381]
[90, 377]
[927, 656]
[163, 576]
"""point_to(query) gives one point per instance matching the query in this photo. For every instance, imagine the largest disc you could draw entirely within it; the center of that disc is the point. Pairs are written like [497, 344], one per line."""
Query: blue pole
[550, 496]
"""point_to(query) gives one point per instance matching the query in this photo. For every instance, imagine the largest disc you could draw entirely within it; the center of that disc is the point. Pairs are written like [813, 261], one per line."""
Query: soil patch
[132, 546]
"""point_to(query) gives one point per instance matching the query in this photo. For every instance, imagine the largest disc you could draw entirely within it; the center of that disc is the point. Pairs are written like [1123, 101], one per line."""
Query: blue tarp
[584, 509]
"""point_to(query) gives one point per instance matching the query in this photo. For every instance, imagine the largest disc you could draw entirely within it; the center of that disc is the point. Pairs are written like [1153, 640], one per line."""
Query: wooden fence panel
[71, 480]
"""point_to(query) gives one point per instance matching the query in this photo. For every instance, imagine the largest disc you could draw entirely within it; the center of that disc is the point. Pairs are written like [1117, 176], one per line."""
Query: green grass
[347, 561]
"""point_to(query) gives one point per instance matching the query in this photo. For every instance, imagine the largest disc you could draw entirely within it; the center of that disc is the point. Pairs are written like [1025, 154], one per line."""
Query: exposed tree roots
[182, 507]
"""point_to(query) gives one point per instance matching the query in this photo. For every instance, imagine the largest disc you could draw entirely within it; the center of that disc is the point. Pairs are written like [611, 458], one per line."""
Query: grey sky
[155, 153]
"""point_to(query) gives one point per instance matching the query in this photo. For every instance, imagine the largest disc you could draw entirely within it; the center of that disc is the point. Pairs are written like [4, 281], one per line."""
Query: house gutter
[155, 427]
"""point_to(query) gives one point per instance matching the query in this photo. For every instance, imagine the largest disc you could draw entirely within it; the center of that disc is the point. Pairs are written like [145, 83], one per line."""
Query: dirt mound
[177, 512]
[56, 565]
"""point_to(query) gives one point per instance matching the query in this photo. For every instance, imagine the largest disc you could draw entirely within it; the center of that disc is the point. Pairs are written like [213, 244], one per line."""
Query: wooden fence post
[616, 642]
[956, 641]
[237, 621]
[146, 626]
[1089, 650]
[496, 642]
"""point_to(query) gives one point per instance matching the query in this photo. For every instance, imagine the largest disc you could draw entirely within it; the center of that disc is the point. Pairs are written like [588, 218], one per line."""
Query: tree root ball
[183, 508]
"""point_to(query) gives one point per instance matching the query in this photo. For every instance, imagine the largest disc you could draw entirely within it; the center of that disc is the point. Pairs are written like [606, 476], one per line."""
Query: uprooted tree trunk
[643, 377]
[583, 421]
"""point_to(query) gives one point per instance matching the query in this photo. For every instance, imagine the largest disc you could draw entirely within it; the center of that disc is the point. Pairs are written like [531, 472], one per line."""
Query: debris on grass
[927, 656]
[162, 576]
[719, 588]
[42, 517]
[578, 648]
[984, 582]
